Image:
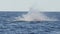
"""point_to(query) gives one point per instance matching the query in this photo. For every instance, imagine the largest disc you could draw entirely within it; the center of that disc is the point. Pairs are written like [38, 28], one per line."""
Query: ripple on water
[29, 27]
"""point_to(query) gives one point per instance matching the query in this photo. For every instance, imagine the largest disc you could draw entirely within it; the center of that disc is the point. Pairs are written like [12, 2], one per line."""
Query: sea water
[8, 26]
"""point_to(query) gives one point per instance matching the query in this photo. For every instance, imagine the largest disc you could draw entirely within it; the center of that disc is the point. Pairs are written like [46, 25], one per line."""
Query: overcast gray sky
[44, 5]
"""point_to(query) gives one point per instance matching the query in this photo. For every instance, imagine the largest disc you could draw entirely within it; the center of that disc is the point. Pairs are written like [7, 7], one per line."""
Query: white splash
[35, 15]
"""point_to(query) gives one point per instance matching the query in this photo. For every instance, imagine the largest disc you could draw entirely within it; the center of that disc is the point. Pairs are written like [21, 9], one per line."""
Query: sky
[25, 5]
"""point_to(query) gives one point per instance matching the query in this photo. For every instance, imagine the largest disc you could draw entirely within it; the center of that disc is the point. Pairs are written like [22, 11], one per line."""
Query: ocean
[8, 26]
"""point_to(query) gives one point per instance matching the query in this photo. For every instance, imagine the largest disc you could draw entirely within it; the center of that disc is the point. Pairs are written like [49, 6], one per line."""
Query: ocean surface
[8, 26]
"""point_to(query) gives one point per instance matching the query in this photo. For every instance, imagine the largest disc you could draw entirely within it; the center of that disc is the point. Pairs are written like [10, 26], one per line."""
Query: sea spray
[35, 15]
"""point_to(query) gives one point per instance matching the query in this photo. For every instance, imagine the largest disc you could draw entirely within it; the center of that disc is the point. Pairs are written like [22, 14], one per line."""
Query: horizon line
[28, 10]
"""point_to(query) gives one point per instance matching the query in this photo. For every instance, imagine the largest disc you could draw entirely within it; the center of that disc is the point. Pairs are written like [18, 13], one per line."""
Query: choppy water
[25, 27]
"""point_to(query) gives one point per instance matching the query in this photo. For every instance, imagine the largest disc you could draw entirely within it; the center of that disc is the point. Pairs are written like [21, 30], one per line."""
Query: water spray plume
[35, 15]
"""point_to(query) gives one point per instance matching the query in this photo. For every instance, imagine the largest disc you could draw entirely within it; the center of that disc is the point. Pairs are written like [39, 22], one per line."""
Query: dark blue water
[25, 27]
